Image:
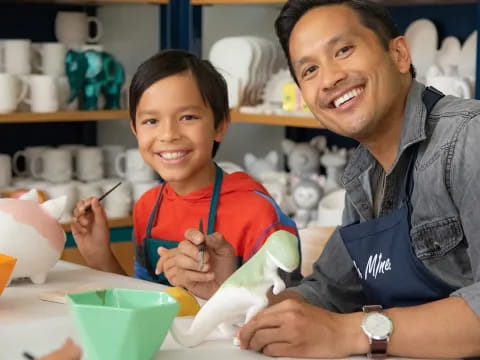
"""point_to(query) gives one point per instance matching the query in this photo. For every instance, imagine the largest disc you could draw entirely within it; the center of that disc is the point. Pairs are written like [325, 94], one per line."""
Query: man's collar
[413, 131]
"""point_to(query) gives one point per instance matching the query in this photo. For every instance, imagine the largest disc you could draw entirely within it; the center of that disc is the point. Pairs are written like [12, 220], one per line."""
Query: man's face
[351, 83]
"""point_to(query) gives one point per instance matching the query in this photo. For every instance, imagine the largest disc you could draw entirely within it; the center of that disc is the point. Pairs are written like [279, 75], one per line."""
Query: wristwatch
[378, 327]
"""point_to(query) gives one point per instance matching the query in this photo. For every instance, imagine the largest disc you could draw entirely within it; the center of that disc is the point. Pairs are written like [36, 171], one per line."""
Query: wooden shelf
[63, 116]
[92, 2]
[112, 223]
[282, 120]
[385, 2]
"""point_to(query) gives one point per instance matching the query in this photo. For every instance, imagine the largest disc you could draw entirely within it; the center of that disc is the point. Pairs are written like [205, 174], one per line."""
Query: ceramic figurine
[244, 293]
[30, 232]
[334, 162]
[277, 185]
[304, 158]
[306, 195]
[92, 73]
[257, 166]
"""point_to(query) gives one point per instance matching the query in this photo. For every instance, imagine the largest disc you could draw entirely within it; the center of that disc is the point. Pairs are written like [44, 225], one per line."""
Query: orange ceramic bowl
[7, 263]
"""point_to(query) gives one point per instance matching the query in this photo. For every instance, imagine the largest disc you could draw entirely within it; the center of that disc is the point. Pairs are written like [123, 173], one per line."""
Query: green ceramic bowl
[122, 324]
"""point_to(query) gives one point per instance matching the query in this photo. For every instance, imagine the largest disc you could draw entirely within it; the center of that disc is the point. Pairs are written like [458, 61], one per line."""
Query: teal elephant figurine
[92, 74]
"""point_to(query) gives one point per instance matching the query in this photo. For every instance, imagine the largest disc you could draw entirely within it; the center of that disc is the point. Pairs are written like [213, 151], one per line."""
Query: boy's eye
[188, 117]
[149, 122]
[343, 50]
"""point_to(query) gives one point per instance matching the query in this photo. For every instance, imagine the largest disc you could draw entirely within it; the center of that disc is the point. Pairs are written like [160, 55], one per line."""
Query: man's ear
[132, 127]
[221, 130]
[400, 52]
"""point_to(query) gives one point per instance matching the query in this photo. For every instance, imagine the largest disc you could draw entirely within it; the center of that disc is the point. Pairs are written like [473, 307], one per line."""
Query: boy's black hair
[210, 82]
[372, 15]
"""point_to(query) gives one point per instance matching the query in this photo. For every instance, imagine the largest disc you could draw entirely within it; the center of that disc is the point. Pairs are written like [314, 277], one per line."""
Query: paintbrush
[201, 248]
[89, 207]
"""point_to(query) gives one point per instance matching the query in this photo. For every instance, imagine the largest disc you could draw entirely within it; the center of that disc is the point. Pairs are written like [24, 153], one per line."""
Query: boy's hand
[181, 268]
[91, 233]
[68, 351]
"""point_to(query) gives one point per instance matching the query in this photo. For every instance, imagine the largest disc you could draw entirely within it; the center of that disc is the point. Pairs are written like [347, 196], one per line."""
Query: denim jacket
[445, 228]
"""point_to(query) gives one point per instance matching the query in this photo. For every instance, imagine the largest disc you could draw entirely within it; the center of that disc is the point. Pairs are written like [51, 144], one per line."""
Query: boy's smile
[175, 132]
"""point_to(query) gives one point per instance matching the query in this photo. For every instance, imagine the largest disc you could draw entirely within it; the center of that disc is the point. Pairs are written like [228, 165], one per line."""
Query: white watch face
[377, 325]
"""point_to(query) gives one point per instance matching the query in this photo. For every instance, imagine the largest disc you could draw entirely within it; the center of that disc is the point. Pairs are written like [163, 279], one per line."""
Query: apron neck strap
[430, 97]
[212, 213]
[154, 213]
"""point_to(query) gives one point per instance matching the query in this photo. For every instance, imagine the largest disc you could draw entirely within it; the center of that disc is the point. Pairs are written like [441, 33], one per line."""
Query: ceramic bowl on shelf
[122, 324]
[7, 263]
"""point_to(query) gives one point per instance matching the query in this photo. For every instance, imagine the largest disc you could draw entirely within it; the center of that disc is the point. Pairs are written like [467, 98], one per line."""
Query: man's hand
[181, 265]
[294, 328]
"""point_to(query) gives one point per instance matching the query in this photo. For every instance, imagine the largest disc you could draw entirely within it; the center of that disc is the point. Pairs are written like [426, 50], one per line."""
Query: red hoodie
[246, 215]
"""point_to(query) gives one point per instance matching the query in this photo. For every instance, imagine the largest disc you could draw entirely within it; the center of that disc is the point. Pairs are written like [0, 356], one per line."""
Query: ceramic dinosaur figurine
[244, 293]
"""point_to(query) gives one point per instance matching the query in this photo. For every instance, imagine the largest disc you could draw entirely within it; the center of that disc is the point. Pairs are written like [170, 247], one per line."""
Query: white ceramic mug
[15, 56]
[43, 95]
[50, 58]
[139, 188]
[72, 28]
[451, 85]
[54, 165]
[88, 189]
[28, 154]
[12, 92]
[68, 189]
[118, 203]
[89, 163]
[5, 170]
[131, 166]
[110, 154]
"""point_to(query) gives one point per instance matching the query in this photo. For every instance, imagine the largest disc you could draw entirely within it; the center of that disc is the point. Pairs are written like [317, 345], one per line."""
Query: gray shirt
[445, 226]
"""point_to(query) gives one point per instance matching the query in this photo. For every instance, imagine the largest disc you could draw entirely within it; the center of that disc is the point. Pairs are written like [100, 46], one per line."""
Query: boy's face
[348, 79]
[175, 132]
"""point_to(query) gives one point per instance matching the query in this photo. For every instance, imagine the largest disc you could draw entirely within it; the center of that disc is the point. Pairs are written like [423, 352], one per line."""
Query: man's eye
[309, 70]
[344, 50]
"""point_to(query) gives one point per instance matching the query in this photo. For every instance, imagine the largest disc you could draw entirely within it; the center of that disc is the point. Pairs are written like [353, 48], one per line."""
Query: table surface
[30, 324]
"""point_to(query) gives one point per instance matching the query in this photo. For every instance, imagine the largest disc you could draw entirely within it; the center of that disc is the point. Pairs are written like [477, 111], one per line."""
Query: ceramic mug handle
[98, 29]
[120, 165]
[15, 158]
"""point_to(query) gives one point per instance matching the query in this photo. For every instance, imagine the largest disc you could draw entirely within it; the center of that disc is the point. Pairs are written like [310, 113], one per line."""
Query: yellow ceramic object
[7, 263]
[189, 306]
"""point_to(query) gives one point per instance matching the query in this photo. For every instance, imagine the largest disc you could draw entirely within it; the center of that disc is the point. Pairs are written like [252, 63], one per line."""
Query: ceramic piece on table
[330, 208]
[229, 167]
[422, 37]
[304, 158]
[256, 166]
[244, 293]
[122, 324]
[468, 58]
[334, 161]
[7, 264]
[306, 194]
[449, 53]
[30, 232]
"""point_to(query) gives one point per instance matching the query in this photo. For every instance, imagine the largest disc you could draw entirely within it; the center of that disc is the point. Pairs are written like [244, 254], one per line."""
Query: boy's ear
[221, 130]
[132, 127]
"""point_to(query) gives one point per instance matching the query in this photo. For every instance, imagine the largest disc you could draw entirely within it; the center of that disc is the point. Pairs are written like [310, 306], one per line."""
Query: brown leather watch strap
[378, 349]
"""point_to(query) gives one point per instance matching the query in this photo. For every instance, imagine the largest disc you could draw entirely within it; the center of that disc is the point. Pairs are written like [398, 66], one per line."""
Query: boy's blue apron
[151, 245]
[381, 249]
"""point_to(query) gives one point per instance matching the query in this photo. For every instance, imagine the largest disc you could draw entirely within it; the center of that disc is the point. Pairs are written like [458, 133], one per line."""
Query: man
[410, 236]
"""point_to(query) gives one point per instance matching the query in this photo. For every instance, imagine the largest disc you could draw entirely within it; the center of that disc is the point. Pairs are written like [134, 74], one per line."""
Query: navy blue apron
[381, 249]
[151, 245]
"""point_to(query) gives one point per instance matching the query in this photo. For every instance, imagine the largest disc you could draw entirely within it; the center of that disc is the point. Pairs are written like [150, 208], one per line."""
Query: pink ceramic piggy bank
[30, 232]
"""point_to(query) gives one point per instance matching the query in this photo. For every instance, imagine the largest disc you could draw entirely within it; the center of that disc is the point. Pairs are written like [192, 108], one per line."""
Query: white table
[36, 326]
